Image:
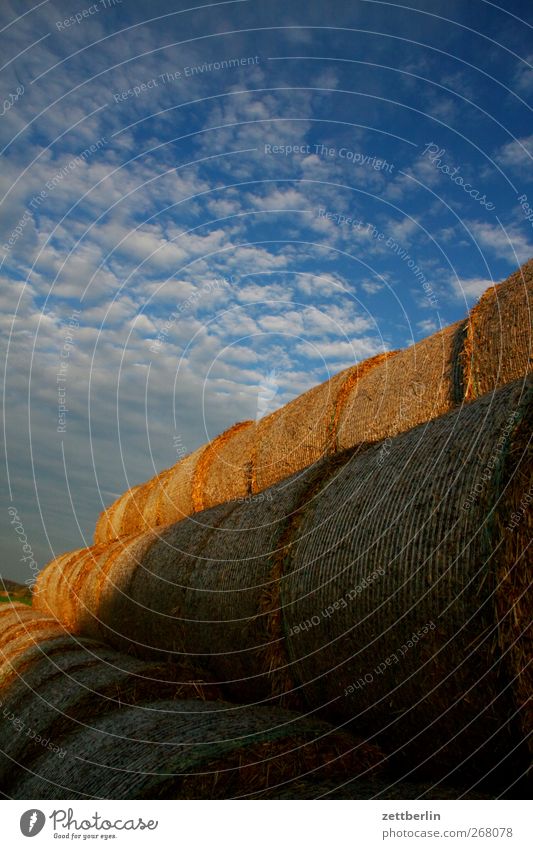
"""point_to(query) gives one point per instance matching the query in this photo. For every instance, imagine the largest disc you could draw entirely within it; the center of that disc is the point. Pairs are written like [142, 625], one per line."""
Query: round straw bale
[111, 519]
[224, 571]
[138, 592]
[229, 472]
[387, 596]
[18, 630]
[367, 579]
[51, 682]
[514, 595]
[402, 391]
[298, 434]
[86, 581]
[499, 341]
[176, 498]
[186, 749]
[152, 513]
[220, 567]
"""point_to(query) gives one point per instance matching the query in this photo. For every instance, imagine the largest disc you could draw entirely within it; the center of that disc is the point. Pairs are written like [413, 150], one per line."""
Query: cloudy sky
[208, 209]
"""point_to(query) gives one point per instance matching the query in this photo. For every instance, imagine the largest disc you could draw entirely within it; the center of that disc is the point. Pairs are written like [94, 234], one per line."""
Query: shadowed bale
[395, 578]
[367, 789]
[82, 720]
[376, 399]
[191, 750]
[51, 681]
[367, 585]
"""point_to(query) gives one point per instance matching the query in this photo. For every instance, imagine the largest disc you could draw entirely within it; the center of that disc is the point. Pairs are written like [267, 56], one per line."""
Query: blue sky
[206, 207]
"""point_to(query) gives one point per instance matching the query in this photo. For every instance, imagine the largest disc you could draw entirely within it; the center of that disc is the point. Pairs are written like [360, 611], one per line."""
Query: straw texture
[374, 400]
[366, 583]
[51, 682]
[81, 720]
[394, 577]
[499, 342]
[183, 749]
[226, 469]
[304, 430]
[415, 386]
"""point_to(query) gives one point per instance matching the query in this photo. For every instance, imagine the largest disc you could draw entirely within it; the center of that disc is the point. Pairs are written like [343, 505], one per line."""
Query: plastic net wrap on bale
[376, 585]
[499, 341]
[394, 599]
[84, 721]
[226, 469]
[376, 399]
[304, 430]
[416, 385]
[52, 682]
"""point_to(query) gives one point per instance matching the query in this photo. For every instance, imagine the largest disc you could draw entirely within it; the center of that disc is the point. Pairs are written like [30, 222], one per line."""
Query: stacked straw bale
[415, 535]
[83, 721]
[51, 682]
[374, 400]
[319, 591]
[304, 430]
[225, 469]
[413, 387]
[499, 340]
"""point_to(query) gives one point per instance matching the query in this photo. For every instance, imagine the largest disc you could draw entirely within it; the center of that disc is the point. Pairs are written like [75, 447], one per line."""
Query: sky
[208, 209]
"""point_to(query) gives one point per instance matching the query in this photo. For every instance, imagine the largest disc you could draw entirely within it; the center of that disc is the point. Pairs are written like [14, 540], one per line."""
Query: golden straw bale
[111, 519]
[316, 587]
[304, 430]
[413, 387]
[499, 340]
[82, 719]
[224, 470]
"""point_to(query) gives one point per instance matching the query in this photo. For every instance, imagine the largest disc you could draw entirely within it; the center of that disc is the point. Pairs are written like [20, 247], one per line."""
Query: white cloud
[509, 243]
[517, 155]
[470, 288]
[524, 76]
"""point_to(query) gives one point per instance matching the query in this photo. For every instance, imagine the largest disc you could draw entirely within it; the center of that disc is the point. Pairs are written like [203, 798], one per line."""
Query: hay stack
[428, 512]
[191, 750]
[81, 719]
[413, 387]
[50, 682]
[377, 399]
[225, 470]
[499, 341]
[308, 593]
[304, 430]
